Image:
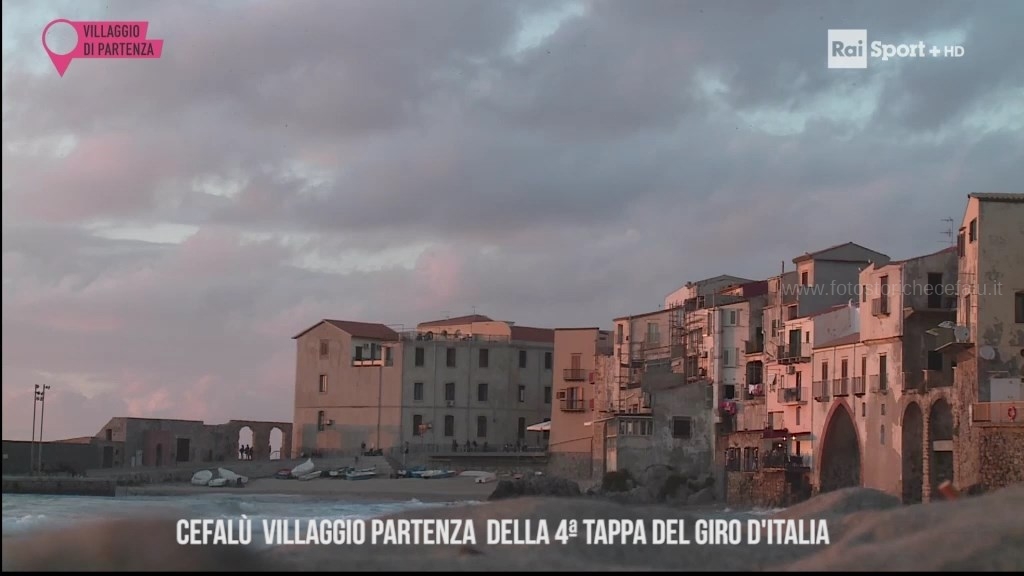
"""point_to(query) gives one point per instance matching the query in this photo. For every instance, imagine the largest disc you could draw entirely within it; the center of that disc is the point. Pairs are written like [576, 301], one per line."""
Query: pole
[380, 393]
[32, 445]
[42, 414]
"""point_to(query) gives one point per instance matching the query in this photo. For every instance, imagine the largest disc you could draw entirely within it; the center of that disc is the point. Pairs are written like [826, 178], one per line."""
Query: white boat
[311, 475]
[485, 479]
[304, 468]
[202, 478]
[432, 474]
[232, 478]
[365, 474]
[217, 483]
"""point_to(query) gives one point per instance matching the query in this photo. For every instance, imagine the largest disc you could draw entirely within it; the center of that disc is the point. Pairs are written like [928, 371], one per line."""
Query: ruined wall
[690, 455]
[1001, 451]
[761, 489]
[573, 465]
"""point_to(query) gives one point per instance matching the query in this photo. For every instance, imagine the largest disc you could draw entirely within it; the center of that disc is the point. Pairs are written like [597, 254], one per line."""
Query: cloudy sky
[169, 224]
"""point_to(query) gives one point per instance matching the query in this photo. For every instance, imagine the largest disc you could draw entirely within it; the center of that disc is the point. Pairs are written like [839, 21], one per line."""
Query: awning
[540, 427]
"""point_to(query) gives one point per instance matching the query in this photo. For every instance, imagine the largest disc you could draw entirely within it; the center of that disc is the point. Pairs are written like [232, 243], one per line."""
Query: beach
[457, 489]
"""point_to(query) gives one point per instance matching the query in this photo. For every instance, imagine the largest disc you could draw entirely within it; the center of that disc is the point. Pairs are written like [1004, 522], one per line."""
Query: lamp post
[32, 445]
[42, 414]
[380, 390]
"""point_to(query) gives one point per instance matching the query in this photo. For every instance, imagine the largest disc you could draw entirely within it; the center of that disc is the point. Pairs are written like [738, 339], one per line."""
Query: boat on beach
[434, 474]
[311, 475]
[303, 469]
[202, 478]
[364, 474]
[218, 483]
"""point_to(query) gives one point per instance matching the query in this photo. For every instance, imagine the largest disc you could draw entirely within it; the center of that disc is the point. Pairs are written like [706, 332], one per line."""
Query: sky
[169, 225]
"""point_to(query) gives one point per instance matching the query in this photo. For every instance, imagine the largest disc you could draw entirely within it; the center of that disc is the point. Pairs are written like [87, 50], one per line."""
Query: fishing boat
[283, 474]
[311, 475]
[218, 483]
[202, 478]
[364, 474]
[434, 474]
[231, 478]
[338, 472]
[304, 468]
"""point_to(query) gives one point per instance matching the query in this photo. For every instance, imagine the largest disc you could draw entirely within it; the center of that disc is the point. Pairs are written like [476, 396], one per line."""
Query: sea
[27, 513]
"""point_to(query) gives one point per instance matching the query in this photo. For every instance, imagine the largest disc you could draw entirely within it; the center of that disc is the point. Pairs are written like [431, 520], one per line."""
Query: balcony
[574, 374]
[880, 306]
[820, 390]
[879, 383]
[571, 405]
[1009, 413]
[859, 388]
[790, 395]
[754, 347]
[750, 416]
[792, 354]
[841, 387]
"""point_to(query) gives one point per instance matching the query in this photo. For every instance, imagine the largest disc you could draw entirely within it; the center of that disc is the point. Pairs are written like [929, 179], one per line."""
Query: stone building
[987, 345]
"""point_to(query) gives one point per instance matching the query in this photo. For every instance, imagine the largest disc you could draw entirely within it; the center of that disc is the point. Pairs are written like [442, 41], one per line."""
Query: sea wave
[26, 513]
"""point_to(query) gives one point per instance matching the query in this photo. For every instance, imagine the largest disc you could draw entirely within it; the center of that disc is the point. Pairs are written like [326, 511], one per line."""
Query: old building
[988, 344]
[348, 387]
[473, 380]
[578, 354]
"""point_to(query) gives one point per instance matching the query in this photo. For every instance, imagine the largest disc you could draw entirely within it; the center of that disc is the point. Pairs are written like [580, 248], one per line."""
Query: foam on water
[24, 513]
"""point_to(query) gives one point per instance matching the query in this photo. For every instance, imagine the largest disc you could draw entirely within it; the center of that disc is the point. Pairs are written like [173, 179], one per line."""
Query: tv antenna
[950, 231]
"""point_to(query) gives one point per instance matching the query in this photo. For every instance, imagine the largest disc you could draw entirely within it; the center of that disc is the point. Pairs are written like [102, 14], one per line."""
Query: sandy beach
[456, 489]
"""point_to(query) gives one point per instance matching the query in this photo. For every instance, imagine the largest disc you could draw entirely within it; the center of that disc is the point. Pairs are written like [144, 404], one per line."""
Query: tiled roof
[997, 197]
[528, 334]
[368, 330]
[457, 320]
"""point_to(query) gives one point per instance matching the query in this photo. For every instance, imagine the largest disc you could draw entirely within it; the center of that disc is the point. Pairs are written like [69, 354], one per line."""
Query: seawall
[60, 486]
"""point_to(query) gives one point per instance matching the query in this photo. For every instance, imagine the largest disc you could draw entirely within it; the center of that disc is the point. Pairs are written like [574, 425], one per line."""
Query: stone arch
[246, 437]
[276, 443]
[912, 449]
[840, 453]
[940, 436]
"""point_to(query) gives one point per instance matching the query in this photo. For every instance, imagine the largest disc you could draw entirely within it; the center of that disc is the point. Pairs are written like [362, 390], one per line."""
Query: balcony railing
[790, 395]
[841, 387]
[791, 353]
[571, 404]
[879, 382]
[1009, 412]
[820, 390]
[574, 374]
[880, 306]
[754, 346]
[453, 336]
[858, 384]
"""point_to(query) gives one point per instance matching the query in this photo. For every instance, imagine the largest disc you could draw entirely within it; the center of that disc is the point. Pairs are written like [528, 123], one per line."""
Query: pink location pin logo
[62, 61]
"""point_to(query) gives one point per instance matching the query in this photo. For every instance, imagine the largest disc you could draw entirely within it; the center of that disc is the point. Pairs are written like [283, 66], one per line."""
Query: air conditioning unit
[561, 395]
[790, 369]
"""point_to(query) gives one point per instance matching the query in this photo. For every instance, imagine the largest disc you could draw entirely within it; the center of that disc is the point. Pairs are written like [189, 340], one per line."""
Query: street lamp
[32, 445]
[380, 389]
[42, 414]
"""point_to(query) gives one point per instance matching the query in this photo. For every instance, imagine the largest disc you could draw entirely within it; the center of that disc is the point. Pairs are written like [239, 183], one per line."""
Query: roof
[580, 328]
[997, 197]
[368, 330]
[528, 334]
[642, 315]
[822, 254]
[943, 251]
[468, 319]
[844, 341]
[78, 440]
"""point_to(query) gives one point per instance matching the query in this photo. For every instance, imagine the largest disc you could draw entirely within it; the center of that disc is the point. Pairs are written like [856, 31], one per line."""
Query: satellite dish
[987, 352]
[947, 325]
[961, 333]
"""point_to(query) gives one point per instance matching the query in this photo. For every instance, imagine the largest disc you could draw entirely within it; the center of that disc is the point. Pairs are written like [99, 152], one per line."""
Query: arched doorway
[276, 442]
[913, 454]
[840, 452]
[940, 435]
[159, 455]
[245, 438]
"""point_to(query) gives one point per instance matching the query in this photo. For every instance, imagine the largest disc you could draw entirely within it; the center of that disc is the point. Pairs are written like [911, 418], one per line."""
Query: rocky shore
[868, 530]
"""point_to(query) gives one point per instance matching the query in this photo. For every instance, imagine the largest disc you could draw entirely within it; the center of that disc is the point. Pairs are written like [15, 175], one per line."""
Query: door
[794, 343]
[522, 428]
[108, 456]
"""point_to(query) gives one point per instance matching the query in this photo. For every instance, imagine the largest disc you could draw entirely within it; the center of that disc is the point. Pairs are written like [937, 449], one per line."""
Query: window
[725, 357]
[481, 426]
[653, 336]
[522, 393]
[521, 430]
[618, 334]
[481, 392]
[935, 360]
[882, 410]
[682, 427]
[389, 359]
[323, 383]
[522, 358]
[863, 293]
[417, 391]
[799, 381]
[797, 415]
[733, 317]
[449, 426]
[935, 291]
[803, 278]
[844, 369]
[547, 360]
[1018, 307]
[967, 310]
[420, 356]
[450, 357]
[863, 409]
[547, 394]
[863, 366]
[883, 372]
[449, 391]
[417, 423]
[824, 371]
[881, 434]
[325, 348]
[485, 357]
[972, 231]
[775, 327]
[884, 287]
[321, 421]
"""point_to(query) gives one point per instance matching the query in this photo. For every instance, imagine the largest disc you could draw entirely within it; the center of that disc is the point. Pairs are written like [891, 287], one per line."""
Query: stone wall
[574, 465]
[1001, 450]
[761, 489]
